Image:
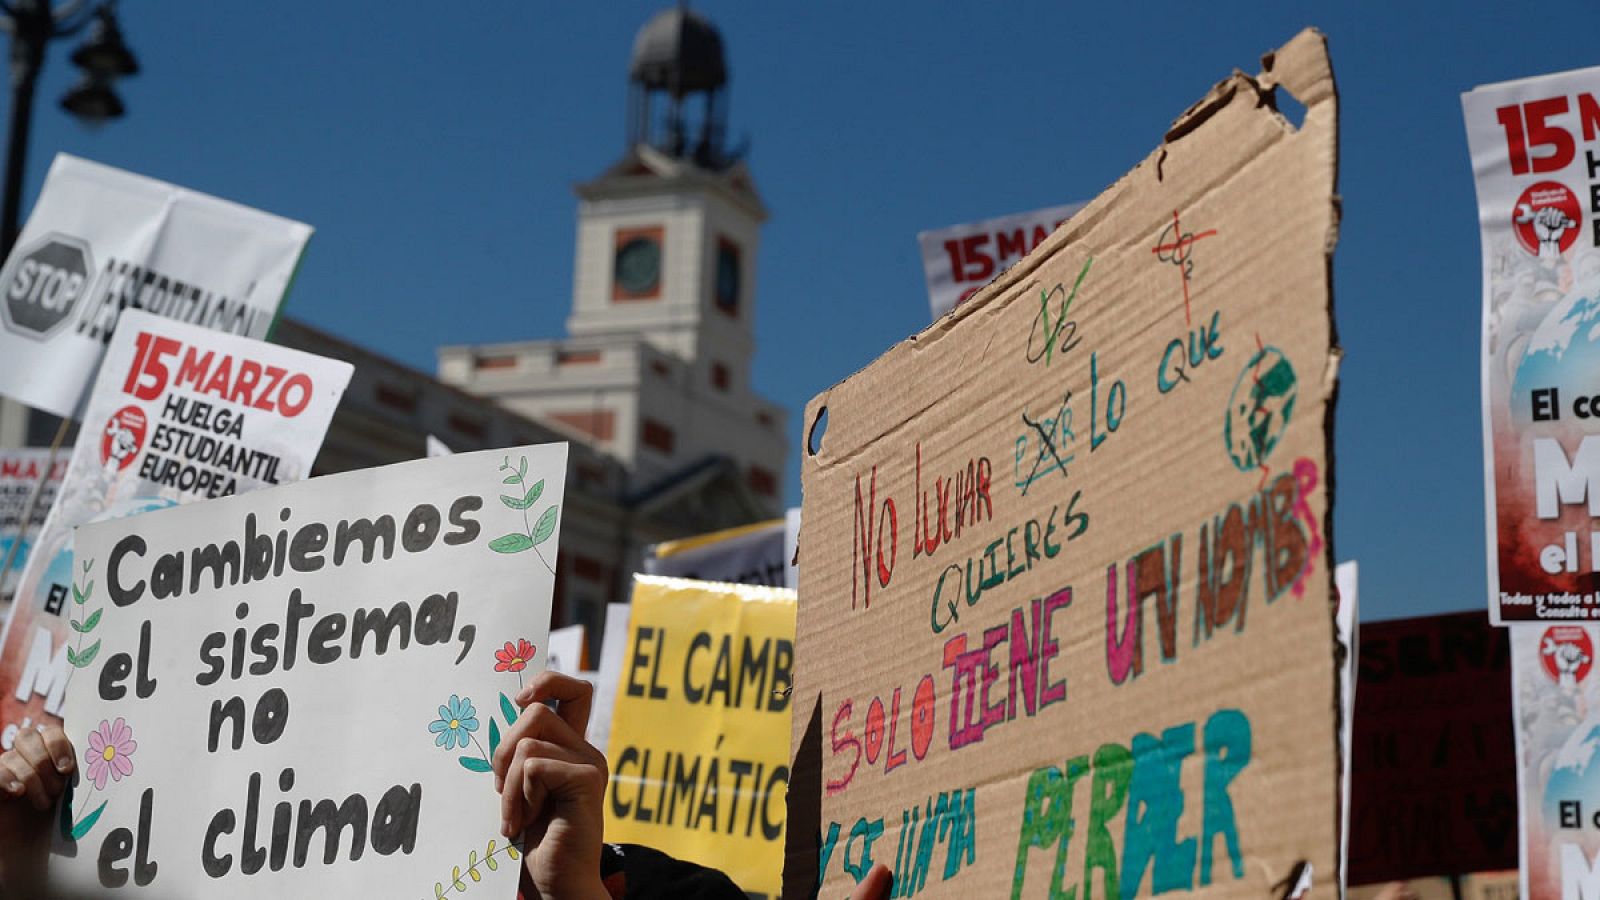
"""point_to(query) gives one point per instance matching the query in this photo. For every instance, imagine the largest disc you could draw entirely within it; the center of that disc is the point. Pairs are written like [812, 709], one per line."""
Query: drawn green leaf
[76, 625]
[77, 596]
[83, 825]
[494, 736]
[438, 891]
[533, 493]
[546, 526]
[522, 469]
[455, 874]
[72, 657]
[507, 710]
[89, 623]
[515, 542]
[474, 764]
[87, 656]
[66, 811]
[511, 479]
[513, 502]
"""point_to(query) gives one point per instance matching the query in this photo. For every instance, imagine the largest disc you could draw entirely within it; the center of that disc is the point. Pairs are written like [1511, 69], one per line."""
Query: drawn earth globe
[1564, 352]
[1260, 408]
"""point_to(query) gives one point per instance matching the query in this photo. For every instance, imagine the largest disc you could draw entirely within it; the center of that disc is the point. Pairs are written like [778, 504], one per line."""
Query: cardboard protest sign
[100, 241]
[1066, 618]
[179, 413]
[751, 554]
[1531, 145]
[1557, 697]
[1433, 789]
[960, 259]
[299, 690]
[22, 471]
[700, 733]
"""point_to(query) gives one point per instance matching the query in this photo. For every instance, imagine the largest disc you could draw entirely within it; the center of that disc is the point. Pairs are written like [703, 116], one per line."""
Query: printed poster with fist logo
[1536, 159]
[1557, 700]
[178, 413]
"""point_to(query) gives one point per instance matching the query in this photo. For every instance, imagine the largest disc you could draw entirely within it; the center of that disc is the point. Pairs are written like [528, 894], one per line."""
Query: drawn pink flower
[514, 657]
[110, 747]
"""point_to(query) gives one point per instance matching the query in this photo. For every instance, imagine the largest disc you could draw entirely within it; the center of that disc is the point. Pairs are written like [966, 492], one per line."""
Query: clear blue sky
[433, 146]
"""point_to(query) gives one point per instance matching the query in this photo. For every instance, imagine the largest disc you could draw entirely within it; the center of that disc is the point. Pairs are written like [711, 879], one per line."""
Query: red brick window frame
[577, 357]
[396, 398]
[624, 237]
[763, 482]
[468, 426]
[497, 361]
[657, 436]
[727, 287]
[599, 424]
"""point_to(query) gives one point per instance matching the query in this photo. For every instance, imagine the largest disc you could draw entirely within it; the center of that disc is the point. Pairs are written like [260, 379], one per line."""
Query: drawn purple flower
[110, 748]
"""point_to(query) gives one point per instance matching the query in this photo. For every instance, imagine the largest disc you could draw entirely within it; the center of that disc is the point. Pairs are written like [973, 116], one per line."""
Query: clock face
[728, 277]
[638, 268]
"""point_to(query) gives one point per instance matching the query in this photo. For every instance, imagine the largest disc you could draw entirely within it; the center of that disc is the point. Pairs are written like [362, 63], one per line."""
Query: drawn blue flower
[457, 720]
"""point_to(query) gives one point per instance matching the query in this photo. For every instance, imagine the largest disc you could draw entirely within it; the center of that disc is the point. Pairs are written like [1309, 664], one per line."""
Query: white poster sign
[179, 413]
[566, 650]
[1536, 162]
[22, 474]
[960, 259]
[297, 692]
[1345, 578]
[613, 648]
[1556, 696]
[100, 241]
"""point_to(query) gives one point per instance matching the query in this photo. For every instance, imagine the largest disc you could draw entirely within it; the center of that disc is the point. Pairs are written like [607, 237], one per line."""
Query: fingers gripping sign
[33, 774]
[551, 783]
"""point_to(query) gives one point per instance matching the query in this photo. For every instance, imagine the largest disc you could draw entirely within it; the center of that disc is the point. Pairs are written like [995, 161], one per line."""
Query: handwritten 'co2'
[1043, 334]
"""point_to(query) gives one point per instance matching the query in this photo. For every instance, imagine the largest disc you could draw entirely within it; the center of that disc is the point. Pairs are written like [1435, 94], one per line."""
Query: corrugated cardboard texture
[1139, 406]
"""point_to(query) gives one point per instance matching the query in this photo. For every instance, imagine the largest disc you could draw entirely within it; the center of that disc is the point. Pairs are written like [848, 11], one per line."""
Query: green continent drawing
[1260, 408]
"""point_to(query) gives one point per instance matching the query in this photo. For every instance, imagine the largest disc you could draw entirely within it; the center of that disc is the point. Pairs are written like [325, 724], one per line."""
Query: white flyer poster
[1346, 577]
[960, 259]
[1556, 695]
[22, 474]
[101, 240]
[179, 413]
[613, 649]
[1536, 161]
[297, 692]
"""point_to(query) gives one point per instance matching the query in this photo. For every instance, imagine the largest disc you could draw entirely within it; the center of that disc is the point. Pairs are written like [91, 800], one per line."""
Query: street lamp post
[33, 24]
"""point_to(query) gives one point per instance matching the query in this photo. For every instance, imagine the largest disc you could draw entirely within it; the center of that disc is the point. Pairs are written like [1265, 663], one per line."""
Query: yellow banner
[699, 748]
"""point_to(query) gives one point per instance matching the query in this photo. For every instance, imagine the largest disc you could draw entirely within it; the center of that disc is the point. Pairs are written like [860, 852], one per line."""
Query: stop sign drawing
[43, 283]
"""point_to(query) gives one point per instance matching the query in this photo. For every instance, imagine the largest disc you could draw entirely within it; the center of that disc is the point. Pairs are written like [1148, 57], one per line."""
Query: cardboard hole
[1289, 107]
[818, 427]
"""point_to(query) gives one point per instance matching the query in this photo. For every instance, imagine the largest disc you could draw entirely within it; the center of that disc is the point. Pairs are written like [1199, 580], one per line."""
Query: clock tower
[667, 236]
[656, 366]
